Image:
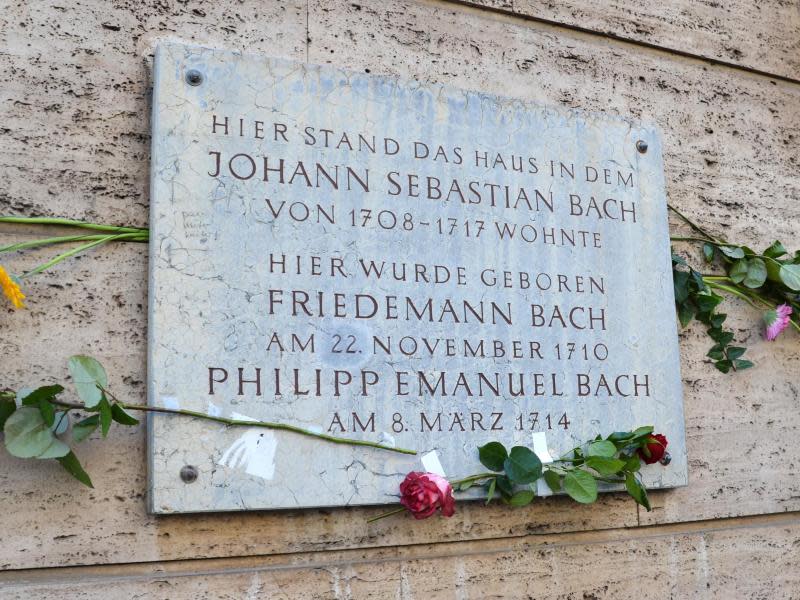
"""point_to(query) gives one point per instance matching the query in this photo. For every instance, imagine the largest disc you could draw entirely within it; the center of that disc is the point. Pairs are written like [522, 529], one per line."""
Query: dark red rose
[423, 493]
[654, 450]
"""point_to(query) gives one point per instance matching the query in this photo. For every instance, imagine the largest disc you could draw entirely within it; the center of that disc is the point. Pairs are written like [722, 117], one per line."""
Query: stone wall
[722, 81]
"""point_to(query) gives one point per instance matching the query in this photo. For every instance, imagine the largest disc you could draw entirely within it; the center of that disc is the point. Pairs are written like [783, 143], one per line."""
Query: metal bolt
[194, 77]
[641, 146]
[666, 459]
[189, 474]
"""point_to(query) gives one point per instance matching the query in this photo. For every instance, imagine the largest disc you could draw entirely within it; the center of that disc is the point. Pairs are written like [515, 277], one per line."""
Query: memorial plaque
[393, 261]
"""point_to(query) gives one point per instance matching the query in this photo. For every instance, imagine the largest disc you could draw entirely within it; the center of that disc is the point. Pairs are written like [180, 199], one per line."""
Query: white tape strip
[387, 439]
[432, 464]
[170, 402]
[543, 452]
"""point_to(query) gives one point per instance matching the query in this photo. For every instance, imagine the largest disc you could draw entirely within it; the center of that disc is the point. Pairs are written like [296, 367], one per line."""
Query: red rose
[423, 493]
[654, 450]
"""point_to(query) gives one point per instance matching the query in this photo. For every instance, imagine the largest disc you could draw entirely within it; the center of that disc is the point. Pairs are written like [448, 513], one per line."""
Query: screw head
[641, 146]
[189, 474]
[194, 77]
[666, 459]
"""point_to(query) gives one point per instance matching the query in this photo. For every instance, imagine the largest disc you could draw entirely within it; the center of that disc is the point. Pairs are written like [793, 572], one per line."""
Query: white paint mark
[703, 572]
[543, 452]
[214, 410]
[406, 593]
[387, 439]
[253, 452]
[432, 464]
[462, 577]
[170, 402]
[255, 590]
[337, 588]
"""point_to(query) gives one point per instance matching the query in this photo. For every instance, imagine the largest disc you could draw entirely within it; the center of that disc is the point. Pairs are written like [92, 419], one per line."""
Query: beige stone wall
[722, 79]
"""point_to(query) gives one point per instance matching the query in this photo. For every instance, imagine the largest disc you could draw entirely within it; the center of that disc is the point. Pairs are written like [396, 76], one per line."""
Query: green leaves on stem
[695, 299]
[522, 465]
[764, 281]
[610, 460]
[581, 486]
[519, 467]
[36, 422]
[90, 379]
[38, 427]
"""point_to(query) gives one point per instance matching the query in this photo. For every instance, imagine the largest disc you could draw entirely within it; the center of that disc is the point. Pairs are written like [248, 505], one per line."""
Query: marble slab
[393, 261]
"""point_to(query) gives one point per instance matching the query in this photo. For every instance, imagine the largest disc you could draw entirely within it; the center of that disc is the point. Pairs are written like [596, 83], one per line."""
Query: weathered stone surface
[739, 561]
[77, 80]
[756, 34]
[731, 161]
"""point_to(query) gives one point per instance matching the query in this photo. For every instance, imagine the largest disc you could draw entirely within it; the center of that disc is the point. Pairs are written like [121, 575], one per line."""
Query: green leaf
[697, 279]
[756, 273]
[636, 490]
[734, 352]
[105, 415]
[741, 365]
[28, 436]
[718, 319]
[61, 422]
[120, 416]
[490, 493]
[633, 464]
[73, 466]
[722, 337]
[775, 250]
[493, 455]
[7, 408]
[522, 498]
[83, 429]
[717, 352]
[790, 276]
[581, 486]
[738, 271]
[88, 374]
[724, 365]
[522, 465]
[707, 301]
[48, 412]
[553, 480]
[23, 393]
[505, 486]
[604, 465]
[678, 260]
[680, 280]
[686, 312]
[602, 448]
[643, 431]
[708, 252]
[732, 251]
[43, 393]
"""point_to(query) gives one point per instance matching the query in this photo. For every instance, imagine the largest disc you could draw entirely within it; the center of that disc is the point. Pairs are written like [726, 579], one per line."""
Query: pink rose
[423, 493]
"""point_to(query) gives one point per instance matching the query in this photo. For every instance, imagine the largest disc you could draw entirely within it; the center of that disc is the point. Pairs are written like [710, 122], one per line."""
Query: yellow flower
[11, 289]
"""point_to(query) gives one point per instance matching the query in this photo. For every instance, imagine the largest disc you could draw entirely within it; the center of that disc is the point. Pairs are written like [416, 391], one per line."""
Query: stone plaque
[393, 261]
